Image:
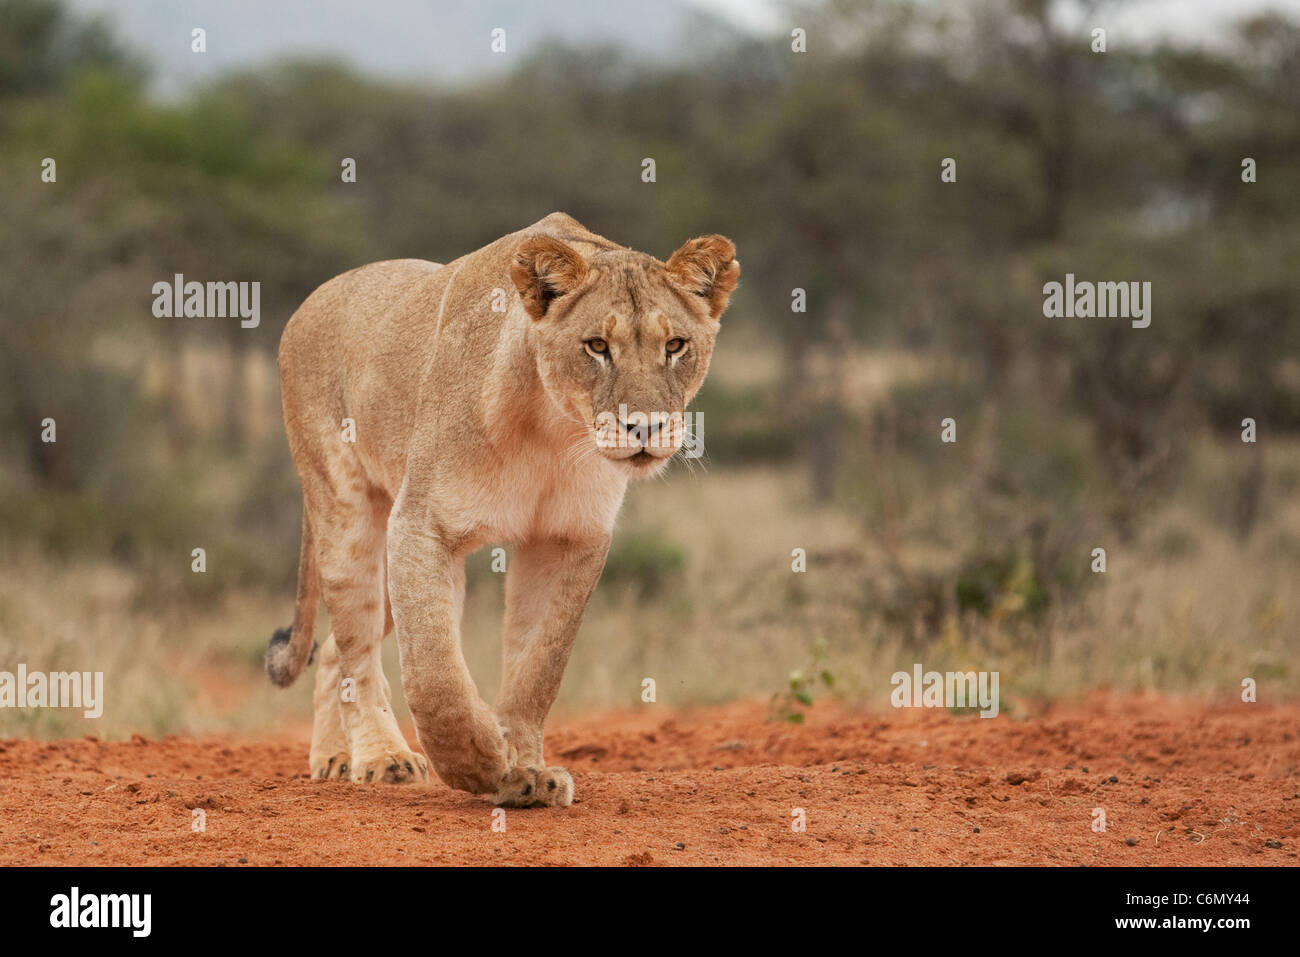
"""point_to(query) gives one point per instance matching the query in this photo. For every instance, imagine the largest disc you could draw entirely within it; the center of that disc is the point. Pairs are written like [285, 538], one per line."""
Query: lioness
[429, 412]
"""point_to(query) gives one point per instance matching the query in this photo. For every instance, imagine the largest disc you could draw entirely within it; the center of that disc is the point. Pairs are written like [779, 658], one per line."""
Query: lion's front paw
[325, 767]
[390, 767]
[535, 787]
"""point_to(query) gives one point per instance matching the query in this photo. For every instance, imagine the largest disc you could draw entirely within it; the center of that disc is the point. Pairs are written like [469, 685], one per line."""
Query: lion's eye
[676, 346]
[597, 347]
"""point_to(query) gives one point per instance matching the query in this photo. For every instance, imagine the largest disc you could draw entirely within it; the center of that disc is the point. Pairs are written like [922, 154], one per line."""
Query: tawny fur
[474, 426]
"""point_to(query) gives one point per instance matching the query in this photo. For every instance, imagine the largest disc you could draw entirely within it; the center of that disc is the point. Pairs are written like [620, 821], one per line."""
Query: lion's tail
[292, 648]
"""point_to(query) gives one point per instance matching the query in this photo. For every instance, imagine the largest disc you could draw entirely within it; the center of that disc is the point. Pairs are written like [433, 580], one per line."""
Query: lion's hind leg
[330, 757]
[350, 531]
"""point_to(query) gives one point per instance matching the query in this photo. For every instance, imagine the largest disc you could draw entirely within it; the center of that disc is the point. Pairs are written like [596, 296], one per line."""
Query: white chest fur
[534, 491]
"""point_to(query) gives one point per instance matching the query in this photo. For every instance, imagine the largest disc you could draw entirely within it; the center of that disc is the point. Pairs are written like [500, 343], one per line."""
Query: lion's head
[623, 340]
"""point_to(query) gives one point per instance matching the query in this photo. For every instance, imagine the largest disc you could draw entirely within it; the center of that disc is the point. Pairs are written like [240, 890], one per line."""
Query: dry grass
[1185, 609]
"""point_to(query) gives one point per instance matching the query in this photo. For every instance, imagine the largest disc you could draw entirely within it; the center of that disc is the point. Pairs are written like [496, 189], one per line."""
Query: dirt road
[1179, 783]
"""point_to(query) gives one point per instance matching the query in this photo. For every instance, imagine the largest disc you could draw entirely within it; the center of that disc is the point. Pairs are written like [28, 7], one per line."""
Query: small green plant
[789, 705]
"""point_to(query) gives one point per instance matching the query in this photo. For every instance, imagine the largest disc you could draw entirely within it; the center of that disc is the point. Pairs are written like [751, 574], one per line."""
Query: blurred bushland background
[822, 428]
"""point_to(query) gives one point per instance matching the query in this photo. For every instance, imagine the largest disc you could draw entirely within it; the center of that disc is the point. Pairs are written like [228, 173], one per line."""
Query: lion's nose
[644, 426]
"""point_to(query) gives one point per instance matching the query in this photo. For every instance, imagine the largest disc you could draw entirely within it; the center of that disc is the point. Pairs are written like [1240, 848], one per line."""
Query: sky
[448, 40]
[1189, 20]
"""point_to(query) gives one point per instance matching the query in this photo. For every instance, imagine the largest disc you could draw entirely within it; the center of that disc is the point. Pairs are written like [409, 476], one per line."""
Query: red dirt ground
[1180, 783]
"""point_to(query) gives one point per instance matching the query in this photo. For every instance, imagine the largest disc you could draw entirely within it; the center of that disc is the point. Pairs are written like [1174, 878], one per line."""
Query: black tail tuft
[279, 658]
[277, 665]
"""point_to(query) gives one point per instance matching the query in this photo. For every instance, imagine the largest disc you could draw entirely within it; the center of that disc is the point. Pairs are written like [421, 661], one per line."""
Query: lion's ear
[707, 266]
[545, 269]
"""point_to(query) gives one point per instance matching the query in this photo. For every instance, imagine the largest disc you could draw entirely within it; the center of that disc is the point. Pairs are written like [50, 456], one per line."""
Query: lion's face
[623, 341]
